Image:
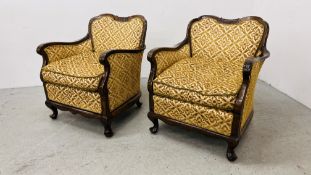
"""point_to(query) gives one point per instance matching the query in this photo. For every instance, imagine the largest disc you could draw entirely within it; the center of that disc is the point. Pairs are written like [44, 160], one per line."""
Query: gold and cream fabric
[165, 59]
[81, 99]
[73, 73]
[108, 33]
[201, 81]
[124, 78]
[249, 99]
[60, 51]
[214, 40]
[80, 71]
[200, 116]
[198, 84]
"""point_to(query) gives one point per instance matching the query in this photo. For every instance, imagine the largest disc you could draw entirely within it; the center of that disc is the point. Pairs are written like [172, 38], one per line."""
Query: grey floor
[277, 141]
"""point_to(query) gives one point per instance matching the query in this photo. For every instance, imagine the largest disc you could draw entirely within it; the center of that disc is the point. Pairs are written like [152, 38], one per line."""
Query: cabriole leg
[53, 108]
[155, 127]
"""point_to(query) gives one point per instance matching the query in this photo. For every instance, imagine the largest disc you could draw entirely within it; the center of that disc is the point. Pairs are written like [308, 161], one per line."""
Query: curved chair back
[235, 39]
[112, 32]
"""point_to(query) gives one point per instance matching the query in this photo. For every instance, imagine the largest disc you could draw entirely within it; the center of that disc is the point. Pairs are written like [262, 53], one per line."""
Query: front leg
[155, 127]
[231, 156]
[107, 125]
[53, 108]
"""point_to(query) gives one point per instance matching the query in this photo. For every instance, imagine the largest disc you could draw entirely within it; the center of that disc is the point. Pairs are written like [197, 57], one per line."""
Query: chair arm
[121, 79]
[247, 74]
[103, 59]
[249, 62]
[244, 102]
[55, 51]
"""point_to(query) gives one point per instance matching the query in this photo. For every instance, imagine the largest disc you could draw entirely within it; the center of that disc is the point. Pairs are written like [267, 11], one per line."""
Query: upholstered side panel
[248, 104]
[235, 42]
[207, 118]
[58, 52]
[165, 59]
[89, 101]
[124, 77]
[108, 33]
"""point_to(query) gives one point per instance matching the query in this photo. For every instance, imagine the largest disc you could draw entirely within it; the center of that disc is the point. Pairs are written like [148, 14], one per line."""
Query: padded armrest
[104, 56]
[55, 51]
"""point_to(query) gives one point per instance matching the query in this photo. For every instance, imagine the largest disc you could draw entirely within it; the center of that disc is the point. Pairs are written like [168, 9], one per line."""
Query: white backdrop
[26, 24]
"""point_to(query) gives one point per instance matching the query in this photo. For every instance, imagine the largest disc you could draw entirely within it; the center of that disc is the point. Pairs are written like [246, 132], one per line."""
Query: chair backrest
[113, 32]
[217, 38]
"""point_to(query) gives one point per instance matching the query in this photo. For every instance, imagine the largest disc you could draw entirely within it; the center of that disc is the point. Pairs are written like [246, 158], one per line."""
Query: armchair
[99, 75]
[207, 82]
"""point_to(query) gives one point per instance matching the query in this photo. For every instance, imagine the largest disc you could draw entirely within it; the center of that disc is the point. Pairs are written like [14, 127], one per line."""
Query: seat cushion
[201, 81]
[81, 71]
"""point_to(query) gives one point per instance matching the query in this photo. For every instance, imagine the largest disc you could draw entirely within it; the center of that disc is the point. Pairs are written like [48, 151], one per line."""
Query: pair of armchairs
[205, 83]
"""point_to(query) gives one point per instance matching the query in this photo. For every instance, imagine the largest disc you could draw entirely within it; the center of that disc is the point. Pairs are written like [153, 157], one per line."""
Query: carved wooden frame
[236, 130]
[106, 116]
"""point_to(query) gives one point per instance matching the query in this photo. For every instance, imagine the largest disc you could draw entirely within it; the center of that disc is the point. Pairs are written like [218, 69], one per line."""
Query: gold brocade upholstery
[60, 51]
[198, 83]
[201, 81]
[108, 33]
[89, 101]
[207, 118]
[248, 104]
[165, 59]
[80, 71]
[74, 76]
[124, 79]
[214, 40]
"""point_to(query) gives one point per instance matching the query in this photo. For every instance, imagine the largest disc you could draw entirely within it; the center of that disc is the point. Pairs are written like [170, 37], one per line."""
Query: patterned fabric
[248, 104]
[124, 77]
[201, 81]
[58, 52]
[80, 71]
[107, 33]
[215, 40]
[73, 73]
[89, 101]
[203, 117]
[165, 59]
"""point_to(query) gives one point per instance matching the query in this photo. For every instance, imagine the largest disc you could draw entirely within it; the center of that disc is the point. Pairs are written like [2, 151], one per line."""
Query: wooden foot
[107, 125]
[138, 103]
[155, 127]
[231, 156]
[54, 110]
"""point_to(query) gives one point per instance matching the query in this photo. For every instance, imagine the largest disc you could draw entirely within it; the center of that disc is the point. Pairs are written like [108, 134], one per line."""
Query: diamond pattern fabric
[201, 81]
[108, 33]
[215, 40]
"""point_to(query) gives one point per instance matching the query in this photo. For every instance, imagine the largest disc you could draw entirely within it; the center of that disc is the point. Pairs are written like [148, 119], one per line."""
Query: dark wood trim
[106, 116]
[236, 131]
[171, 121]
